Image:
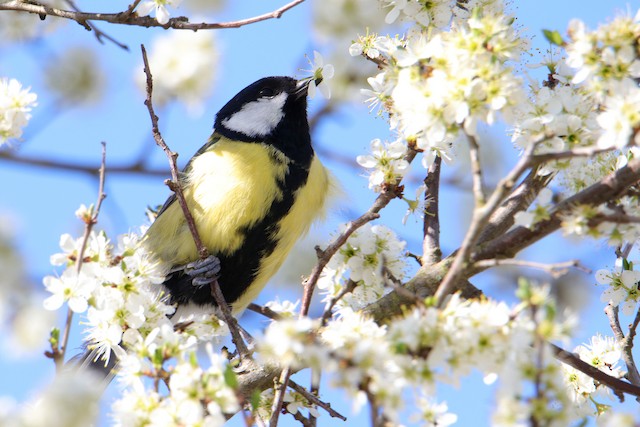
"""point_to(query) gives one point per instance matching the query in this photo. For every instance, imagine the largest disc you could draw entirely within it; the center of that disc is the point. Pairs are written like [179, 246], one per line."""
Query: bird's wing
[172, 198]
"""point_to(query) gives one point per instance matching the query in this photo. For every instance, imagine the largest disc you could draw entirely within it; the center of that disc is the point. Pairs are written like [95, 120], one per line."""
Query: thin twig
[175, 186]
[278, 398]
[431, 252]
[88, 227]
[626, 343]
[312, 398]
[627, 353]
[265, 311]
[537, 159]
[617, 218]
[555, 269]
[328, 311]
[98, 33]
[623, 252]
[131, 168]
[174, 183]
[388, 193]
[129, 18]
[615, 384]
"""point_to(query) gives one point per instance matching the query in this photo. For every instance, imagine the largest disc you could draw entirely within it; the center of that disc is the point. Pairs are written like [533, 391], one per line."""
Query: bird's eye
[267, 92]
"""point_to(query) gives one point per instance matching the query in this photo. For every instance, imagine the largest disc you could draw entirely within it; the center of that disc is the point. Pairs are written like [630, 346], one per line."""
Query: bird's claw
[203, 272]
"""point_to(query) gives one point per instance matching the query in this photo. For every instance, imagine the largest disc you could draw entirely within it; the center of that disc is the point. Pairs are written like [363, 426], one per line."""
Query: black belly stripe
[239, 269]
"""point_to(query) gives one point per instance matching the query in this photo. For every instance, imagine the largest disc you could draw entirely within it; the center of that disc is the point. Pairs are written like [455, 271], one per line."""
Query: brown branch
[617, 218]
[576, 152]
[479, 220]
[431, 252]
[174, 185]
[556, 269]
[428, 280]
[280, 389]
[265, 311]
[133, 168]
[129, 18]
[608, 188]
[519, 199]
[326, 315]
[312, 398]
[626, 343]
[615, 384]
[98, 33]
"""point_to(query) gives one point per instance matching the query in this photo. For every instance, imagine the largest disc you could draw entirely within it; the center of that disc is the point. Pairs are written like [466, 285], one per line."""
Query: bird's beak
[302, 86]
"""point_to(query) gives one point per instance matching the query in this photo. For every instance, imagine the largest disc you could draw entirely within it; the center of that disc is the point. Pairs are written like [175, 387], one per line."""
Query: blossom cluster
[16, 104]
[117, 289]
[603, 353]
[437, 83]
[387, 161]
[369, 263]
[428, 345]
[608, 64]
[439, 13]
[622, 286]
[201, 391]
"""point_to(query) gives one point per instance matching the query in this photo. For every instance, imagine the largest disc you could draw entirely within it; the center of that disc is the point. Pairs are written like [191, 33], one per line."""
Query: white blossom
[387, 161]
[16, 104]
[323, 71]
[160, 8]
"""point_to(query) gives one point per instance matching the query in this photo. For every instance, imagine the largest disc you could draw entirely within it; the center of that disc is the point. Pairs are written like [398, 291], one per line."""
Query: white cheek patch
[257, 118]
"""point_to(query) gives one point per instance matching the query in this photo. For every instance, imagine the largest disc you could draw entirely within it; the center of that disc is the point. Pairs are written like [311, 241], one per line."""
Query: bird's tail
[92, 361]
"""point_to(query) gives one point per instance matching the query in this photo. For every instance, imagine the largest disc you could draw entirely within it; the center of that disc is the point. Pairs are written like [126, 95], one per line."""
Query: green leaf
[553, 37]
[255, 400]
[230, 377]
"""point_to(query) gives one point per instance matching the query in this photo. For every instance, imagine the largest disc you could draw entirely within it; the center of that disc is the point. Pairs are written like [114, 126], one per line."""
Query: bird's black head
[272, 110]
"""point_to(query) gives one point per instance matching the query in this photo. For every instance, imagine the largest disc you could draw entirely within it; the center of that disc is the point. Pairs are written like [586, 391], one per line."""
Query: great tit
[253, 189]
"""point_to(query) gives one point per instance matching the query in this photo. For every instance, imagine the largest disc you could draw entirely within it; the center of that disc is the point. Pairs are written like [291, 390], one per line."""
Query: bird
[253, 190]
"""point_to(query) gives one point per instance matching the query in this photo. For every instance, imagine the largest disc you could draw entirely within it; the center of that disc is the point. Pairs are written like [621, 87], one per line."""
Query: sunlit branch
[555, 269]
[431, 252]
[129, 17]
[97, 32]
[625, 343]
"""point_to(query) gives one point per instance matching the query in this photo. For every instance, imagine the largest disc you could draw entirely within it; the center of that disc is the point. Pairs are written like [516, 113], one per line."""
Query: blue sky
[42, 201]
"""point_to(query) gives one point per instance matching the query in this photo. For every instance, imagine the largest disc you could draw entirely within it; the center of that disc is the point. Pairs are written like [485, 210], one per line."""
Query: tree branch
[93, 170]
[480, 219]
[613, 383]
[556, 269]
[129, 17]
[431, 252]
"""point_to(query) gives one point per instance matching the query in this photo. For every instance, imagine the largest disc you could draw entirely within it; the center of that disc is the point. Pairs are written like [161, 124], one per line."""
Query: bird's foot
[203, 272]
